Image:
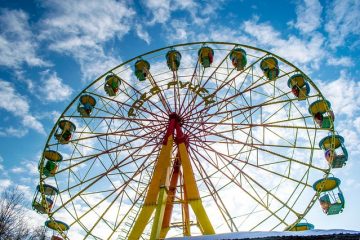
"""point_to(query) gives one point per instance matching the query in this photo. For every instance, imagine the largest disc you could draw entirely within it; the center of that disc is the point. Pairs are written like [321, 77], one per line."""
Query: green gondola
[112, 83]
[206, 56]
[331, 201]
[299, 86]
[173, 59]
[86, 105]
[65, 131]
[335, 150]
[141, 69]
[238, 58]
[270, 68]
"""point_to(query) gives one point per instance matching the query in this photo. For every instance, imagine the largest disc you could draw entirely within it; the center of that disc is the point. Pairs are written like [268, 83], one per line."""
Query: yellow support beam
[159, 214]
[192, 192]
[159, 178]
[186, 214]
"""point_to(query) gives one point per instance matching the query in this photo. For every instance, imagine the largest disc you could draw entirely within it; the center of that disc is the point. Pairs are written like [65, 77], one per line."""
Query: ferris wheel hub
[175, 116]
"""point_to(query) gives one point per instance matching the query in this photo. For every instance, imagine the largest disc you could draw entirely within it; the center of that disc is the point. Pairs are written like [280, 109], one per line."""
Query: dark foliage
[13, 224]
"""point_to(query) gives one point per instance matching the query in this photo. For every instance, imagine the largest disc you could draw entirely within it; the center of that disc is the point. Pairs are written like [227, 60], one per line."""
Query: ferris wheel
[191, 139]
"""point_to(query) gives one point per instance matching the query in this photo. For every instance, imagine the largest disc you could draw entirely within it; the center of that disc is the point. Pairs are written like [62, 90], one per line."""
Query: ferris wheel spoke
[91, 181]
[96, 179]
[228, 158]
[187, 93]
[233, 140]
[143, 109]
[219, 88]
[120, 132]
[246, 108]
[193, 99]
[233, 179]
[214, 194]
[149, 100]
[126, 215]
[163, 100]
[120, 108]
[120, 118]
[210, 126]
[258, 147]
[91, 207]
[227, 100]
[98, 158]
[248, 178]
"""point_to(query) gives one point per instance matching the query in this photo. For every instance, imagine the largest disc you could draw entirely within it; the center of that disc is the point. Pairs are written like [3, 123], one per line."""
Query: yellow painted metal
[186, 214]
[159, 214]
[141, 221]
[269, 62]
[330, 142]
[164, 232]
[300, 228]
[192, 192]
[53, 156]
[54, 225]
[326, 184]
[321, 106]
[297, 80]
[160, 172]
[87, 99]
[158, 179]
[202, 217]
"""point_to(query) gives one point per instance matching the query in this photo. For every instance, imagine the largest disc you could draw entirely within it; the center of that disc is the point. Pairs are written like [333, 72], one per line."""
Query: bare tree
[13, 222]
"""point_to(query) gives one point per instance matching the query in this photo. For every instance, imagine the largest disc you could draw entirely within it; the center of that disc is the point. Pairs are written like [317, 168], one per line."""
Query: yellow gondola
[301, 226]
[141, 69]
[173, 58]
[322, 113]
[52, 161]
[238, 58]
[65, 131]
[331, 201]
[42, 205]
[335, 150]
[206, 56]
[299, 86]
[112, 83]
[86, 105]
[56, 226]
[270, 68]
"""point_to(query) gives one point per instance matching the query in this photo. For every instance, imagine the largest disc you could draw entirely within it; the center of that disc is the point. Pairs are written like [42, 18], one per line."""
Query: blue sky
[51, 50]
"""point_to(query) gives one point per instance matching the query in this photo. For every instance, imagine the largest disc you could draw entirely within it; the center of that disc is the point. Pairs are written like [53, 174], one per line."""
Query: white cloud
[343, 17]
[345, 102]
[53, 88]
[341, 61]
[4, 183]
[343, 94]
[14, 132]
[178, 31]
[308, 15]
[13, 102]
[307, 50]
[200, 13]
[142, 33]
[1, 166]
[17, 43]
[80, 28]
[17, 170]
[160, 10]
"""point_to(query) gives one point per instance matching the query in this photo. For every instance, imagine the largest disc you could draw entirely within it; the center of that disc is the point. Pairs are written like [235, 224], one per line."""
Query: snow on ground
[244, 235]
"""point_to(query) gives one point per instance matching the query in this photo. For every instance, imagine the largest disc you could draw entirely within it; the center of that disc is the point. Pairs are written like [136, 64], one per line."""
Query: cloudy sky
[51, 50]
